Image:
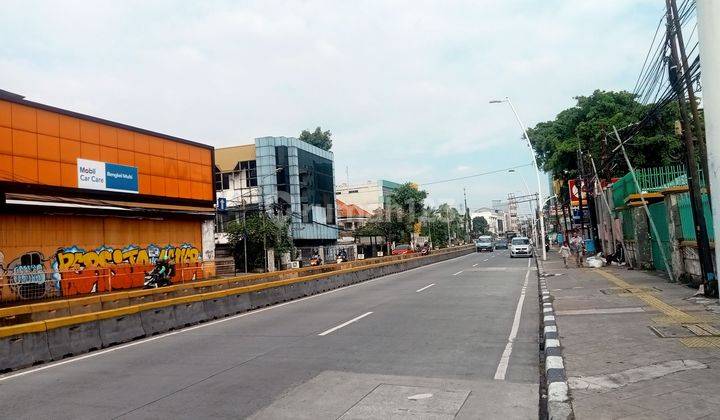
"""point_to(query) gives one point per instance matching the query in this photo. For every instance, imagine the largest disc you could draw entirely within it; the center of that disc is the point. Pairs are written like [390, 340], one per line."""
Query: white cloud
[403, 85]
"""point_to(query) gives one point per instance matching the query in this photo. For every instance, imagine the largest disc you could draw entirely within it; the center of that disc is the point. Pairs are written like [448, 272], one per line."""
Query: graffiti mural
[74, 270]
[29, 277]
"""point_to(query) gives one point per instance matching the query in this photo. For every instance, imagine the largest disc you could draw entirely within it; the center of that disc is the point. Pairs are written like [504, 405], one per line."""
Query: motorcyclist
[164, 269]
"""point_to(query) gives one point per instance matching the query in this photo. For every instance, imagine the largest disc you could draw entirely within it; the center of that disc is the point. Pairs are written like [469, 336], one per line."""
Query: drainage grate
[670, 331]
[629, 290]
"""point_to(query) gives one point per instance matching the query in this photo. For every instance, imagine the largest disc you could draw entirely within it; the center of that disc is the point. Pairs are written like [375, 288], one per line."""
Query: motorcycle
[155, 279]
[315, 260]
[425, 251]
[342, 256]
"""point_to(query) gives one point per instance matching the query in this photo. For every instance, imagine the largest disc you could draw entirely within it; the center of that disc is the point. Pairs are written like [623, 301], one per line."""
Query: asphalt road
[426, 343]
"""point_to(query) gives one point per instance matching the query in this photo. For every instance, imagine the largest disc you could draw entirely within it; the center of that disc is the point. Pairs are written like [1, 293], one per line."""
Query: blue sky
[403, 85]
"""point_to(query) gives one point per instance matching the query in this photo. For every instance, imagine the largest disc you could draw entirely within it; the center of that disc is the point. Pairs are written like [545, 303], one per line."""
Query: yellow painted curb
[26, 328]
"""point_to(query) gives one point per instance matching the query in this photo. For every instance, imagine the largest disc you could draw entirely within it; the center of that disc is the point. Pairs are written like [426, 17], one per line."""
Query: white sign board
[104, 176]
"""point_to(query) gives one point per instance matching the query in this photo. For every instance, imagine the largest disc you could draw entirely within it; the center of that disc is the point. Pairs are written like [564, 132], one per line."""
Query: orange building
[86, 204]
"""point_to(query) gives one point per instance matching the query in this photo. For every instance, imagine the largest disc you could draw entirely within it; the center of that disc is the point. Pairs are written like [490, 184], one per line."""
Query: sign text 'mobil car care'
[105, 176]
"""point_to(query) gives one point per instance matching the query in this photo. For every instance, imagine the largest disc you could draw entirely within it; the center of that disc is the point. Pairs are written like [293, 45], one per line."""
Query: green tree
[319, 138]
[407, 204]
[589, 126]
[480, 226]
[261, 231]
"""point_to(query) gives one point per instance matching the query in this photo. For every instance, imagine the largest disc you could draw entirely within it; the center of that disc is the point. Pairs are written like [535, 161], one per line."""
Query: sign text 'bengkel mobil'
[105, 176]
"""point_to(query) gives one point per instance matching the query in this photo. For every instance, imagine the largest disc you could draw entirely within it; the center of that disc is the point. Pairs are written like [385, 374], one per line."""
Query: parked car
[501, 243]
[520, 246]
[484, 243]
[402, 250]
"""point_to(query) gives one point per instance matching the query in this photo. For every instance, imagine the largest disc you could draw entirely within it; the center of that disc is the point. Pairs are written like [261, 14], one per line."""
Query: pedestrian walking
[565, 252]
[577, 248]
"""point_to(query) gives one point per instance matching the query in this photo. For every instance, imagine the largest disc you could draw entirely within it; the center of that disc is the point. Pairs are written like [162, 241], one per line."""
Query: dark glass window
[316, 186]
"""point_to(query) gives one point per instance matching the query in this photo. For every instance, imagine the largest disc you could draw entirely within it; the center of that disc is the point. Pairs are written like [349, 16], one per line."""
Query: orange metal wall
[41, 147]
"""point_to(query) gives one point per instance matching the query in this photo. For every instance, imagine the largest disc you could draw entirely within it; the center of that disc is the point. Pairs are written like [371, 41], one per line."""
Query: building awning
[110, 205]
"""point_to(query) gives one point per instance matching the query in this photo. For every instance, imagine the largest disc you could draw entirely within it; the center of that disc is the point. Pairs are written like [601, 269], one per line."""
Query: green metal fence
[650, 180]
[686, 217]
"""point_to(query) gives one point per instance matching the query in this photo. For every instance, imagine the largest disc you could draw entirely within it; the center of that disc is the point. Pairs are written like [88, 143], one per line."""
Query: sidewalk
[634, 345]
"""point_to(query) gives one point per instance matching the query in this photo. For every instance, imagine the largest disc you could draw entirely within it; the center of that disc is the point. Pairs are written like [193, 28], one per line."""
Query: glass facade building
[297, 179]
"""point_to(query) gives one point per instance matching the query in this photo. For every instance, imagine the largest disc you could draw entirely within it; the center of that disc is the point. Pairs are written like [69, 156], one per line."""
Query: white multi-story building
[495, 217]
[370, 196]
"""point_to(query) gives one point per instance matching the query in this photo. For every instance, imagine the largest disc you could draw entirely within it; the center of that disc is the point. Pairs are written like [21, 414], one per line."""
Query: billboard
[95, 175]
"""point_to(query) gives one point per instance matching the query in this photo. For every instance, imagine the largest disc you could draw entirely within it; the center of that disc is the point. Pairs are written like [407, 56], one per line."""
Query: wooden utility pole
[701, 235]
[685, 71]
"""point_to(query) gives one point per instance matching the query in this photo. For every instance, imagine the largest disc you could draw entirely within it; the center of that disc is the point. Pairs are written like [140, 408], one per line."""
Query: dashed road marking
[344, 324]
[505, 359]
[426, 287]
[457, 273]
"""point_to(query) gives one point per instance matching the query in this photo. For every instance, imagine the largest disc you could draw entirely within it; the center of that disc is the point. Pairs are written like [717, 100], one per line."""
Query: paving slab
[634, 328]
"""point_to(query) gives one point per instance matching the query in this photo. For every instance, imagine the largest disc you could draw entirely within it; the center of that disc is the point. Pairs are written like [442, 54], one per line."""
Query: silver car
[521, 247]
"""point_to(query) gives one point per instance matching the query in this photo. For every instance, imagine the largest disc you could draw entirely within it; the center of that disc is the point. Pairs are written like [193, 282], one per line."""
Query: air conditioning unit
[294, 264]
[360, 256]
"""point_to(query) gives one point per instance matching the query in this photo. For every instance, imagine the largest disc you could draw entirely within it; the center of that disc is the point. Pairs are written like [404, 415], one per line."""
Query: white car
[520, 246]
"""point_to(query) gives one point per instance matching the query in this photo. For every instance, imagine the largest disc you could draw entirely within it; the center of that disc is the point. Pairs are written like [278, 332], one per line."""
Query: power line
[475, 175]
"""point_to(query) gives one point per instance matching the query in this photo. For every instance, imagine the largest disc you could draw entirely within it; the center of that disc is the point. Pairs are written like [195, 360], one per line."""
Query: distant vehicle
[510, 234]
[520, 246]
[402, 250]
[484, 243]
[501, 243]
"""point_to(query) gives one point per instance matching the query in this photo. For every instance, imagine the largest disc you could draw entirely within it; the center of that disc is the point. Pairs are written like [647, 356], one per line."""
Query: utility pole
[699, 135]
[579, 186]
[466, 216]
[708, 13]
[706, 263]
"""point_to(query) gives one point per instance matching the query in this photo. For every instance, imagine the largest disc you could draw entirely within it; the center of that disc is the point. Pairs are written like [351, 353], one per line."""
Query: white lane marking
[457, 273]
[485, 259]
[505, 359]
[475, 265]
[207, 324]
[344, 324]
[426, 287]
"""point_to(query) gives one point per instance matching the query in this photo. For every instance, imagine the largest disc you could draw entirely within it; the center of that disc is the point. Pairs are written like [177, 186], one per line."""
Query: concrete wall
[37, 342]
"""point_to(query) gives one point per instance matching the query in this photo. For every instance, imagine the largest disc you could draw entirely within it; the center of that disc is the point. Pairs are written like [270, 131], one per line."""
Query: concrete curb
[39, 342]
[556, 385]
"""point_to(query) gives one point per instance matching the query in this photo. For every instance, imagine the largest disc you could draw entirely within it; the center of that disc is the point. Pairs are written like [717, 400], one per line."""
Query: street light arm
[537, 173]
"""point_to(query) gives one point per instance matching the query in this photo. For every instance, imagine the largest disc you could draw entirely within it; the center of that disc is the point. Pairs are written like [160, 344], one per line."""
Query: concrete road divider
[158, 320]
[190, 313]
[217, 307]
[66, 339]
[149, 312]
[125, 326]
[27, 345]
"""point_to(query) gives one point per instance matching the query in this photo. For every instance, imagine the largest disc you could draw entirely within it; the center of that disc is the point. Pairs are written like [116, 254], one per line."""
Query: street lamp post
[537, 172]
[534, 213]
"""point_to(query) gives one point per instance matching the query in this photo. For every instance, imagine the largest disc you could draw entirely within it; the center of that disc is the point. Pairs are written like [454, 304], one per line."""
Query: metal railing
[651, 180]
[28, 283]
